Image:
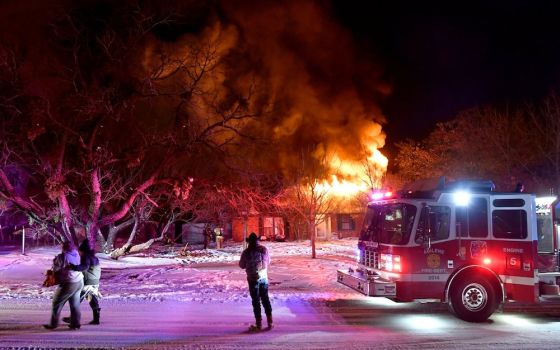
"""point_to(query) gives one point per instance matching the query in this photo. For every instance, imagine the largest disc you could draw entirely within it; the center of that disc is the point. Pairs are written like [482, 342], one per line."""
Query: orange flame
[353, 177]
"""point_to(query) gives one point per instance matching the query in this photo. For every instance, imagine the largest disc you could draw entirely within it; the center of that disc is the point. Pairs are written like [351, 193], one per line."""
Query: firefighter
[255, 260]
[207, 235]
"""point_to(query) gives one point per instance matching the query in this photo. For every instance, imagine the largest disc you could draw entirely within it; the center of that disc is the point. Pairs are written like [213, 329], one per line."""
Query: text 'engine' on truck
[463, 244]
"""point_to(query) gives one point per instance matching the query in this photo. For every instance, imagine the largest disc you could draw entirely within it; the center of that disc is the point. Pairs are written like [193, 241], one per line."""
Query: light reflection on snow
[382, 301]
[514, 320]
[284, 312]
[422, 322]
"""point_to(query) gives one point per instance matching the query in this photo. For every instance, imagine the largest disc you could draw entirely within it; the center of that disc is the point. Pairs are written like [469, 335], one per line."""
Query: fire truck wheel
[472, 299]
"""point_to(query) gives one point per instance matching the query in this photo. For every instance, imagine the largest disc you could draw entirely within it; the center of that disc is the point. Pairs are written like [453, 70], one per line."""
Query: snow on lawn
[169, 273]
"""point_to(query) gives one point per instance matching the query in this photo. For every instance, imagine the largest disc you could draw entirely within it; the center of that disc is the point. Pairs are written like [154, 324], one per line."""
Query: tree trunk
[128, 248]
[312, 235]
[244, 232]
[113, 231]
[99, 241]
[115, 254]
[95, 206]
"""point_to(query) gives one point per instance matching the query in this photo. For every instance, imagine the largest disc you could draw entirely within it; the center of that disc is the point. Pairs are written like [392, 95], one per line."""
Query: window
[397, 221]
[389, 224]
[371, 222]
[512, 202]
[545, 232]
[440, 218]
[345, 222]
[472, 220]
[511, 224]
[439, 221]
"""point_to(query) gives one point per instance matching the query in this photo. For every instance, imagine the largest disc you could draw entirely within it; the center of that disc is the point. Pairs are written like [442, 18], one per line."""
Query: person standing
[255, 260]
[207, 232]
[70, 285]
[90, 267]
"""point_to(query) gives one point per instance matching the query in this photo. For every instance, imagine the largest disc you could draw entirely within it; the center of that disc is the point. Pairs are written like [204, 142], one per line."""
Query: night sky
[444, 57]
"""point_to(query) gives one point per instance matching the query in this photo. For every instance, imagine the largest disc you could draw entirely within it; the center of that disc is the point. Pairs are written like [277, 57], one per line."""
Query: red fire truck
[462, 244]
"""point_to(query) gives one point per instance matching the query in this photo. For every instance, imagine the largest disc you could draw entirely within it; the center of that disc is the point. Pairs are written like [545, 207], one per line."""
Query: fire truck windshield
[388, 223]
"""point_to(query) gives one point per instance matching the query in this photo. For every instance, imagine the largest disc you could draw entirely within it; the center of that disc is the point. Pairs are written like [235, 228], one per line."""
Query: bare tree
[544, 126]
[307, 197]
[507, 145]
[127, 120]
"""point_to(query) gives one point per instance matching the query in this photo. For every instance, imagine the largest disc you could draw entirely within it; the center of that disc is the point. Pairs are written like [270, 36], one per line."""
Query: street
[205, 305]
[359, 324]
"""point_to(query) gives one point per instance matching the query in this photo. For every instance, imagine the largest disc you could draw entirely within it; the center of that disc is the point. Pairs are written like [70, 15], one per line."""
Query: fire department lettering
[434, 251]
[433, 271]
[513, 250]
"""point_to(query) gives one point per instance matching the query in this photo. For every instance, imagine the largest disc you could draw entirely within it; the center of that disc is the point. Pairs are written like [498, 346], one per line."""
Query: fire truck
[461, 243]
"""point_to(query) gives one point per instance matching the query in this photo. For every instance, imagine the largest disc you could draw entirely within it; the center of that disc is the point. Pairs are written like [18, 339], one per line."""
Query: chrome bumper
[367, 284]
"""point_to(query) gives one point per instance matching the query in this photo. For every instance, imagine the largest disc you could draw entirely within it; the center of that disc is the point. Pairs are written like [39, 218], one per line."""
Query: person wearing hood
[90, 267]
[255, 260]
[70, 284]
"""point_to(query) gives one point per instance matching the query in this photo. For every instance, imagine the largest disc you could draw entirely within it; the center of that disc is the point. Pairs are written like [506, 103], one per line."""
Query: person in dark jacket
[207, 232]
[255, 260]
[91, 269]
[70, 284]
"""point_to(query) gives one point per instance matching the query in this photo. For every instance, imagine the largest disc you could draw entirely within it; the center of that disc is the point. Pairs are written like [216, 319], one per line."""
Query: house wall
[324, 229]
[193, 233]
[343, 233]
[269, 226]
[253, 225]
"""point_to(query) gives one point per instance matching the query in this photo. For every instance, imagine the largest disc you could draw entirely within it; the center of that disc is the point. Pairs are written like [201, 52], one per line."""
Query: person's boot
[96, 315]
[257, 326]
[269, 321]
[66, 319]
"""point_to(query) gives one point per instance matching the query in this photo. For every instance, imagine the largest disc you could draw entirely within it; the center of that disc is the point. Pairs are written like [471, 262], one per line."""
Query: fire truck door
[547, 237]
[471, 221]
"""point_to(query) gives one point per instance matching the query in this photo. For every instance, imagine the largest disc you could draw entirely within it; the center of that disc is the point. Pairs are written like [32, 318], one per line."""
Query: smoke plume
[325, 96]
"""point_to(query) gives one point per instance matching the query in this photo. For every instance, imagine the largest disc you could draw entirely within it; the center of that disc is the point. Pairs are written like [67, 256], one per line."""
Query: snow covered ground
[163, 299]
[167, 273]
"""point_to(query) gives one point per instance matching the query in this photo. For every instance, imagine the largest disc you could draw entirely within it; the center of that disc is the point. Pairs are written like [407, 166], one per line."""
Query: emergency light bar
[381, 195]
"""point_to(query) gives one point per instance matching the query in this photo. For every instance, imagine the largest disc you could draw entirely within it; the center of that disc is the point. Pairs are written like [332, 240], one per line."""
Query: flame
[341, 187]
[350, 173]
[353, 177]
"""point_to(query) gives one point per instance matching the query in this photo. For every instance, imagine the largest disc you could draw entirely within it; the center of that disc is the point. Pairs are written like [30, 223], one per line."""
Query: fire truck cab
[463, 244]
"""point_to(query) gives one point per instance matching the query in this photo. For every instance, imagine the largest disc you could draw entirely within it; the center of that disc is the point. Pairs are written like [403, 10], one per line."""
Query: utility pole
[23, 241]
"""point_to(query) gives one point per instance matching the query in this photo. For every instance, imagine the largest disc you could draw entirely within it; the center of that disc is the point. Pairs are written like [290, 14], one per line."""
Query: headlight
[390, 262]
